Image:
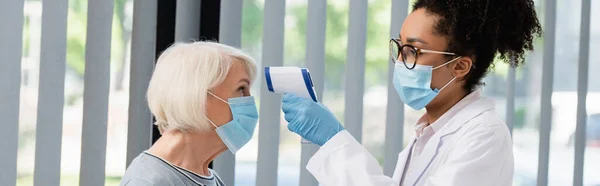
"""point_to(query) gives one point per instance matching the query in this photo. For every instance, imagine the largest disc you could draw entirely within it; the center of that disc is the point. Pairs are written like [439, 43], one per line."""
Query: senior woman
[200, 96]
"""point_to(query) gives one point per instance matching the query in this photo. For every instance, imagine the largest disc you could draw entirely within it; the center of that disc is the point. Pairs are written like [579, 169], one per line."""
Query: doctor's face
[418, 30]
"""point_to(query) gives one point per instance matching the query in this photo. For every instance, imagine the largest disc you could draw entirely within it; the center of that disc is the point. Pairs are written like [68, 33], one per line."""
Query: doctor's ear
[462, 67]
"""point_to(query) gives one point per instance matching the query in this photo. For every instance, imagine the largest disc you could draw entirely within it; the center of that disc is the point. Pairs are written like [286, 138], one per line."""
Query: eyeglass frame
[418, 51]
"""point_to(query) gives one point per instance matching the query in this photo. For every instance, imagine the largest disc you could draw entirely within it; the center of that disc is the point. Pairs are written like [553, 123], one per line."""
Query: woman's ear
[462, 67]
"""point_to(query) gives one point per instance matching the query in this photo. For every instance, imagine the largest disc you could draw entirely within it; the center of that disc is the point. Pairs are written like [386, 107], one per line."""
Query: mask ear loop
[219, 99]
[211, 122]
[447, 83]
[446, 63]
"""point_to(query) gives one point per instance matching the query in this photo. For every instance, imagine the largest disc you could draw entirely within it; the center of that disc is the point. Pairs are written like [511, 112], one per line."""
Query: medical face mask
[414, 85]
[236, 133]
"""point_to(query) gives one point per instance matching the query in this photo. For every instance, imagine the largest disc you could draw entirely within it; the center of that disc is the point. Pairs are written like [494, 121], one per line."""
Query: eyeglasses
[409, 53]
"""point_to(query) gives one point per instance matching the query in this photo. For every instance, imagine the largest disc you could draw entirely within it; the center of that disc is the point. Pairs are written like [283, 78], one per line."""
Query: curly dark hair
[483, 29]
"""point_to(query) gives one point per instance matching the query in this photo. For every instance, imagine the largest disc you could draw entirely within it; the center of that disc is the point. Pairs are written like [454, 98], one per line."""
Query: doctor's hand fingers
[302, 128]
[293, 126]
[289, 97]
[317, 133]
[292, 102]
[289, 116]
[297, 113]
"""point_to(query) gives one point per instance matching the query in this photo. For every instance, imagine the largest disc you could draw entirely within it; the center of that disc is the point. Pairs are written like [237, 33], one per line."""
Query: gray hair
[183, 75]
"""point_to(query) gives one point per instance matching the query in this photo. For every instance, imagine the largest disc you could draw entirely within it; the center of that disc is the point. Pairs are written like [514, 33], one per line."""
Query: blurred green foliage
[252, 28]
[77, 33]
[336, 38]
[376, 54]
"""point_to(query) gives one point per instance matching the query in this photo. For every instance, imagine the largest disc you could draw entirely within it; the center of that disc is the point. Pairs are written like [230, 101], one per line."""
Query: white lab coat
[472, 148]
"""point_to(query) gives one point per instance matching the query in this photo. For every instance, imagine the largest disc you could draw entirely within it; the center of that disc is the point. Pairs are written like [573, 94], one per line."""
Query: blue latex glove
[311, 120]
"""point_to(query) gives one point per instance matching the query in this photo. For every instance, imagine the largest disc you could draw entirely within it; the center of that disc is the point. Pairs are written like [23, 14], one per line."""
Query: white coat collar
[468, 108]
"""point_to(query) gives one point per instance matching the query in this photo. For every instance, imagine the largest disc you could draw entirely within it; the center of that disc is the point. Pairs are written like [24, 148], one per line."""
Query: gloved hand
[311, 120]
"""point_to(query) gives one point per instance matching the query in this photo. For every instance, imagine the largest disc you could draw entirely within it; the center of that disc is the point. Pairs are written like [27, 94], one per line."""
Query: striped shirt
[147, 169]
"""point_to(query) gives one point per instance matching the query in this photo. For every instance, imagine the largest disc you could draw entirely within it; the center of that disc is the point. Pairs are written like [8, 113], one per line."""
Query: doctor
[444, 49]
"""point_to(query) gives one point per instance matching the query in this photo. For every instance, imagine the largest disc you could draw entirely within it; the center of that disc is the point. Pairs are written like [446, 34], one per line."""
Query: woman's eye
[241, 90]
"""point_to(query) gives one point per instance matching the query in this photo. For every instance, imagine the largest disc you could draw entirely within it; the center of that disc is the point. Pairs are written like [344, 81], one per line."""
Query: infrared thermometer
[291, 80]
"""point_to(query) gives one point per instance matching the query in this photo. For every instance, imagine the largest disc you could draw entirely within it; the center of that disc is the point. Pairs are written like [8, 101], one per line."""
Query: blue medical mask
[414, 85]
[238, 132]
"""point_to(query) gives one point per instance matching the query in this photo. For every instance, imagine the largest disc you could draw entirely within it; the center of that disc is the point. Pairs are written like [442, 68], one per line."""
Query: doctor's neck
[443, 103]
